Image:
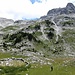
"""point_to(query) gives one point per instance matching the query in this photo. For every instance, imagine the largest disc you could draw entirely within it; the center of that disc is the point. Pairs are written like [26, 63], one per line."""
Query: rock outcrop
[70, 8]
[6, 22]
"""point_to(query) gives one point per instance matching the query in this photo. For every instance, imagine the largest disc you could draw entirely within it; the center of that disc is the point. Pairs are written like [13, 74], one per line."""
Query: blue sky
[39, 1]
[33, 1]
[18, 9]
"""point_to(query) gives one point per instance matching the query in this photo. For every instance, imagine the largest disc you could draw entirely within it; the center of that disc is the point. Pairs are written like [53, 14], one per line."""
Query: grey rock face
[70, 8]
[23, 21]
[6, 22]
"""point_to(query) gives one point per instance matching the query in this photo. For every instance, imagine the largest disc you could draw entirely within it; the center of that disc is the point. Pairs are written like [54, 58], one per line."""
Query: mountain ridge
[70, 8]
[51, 35]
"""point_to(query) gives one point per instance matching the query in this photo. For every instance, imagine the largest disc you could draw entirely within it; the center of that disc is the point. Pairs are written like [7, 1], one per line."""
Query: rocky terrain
[69, 9]
[36, 41]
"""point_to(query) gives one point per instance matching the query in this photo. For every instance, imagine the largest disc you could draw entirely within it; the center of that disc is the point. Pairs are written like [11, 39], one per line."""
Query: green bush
[67, 23]
[50, 35]
[48, 22]
[37, 27]
[18, 37]
[11, 70]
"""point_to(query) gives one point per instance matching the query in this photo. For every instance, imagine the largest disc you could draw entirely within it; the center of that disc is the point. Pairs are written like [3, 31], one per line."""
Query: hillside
[37, 41]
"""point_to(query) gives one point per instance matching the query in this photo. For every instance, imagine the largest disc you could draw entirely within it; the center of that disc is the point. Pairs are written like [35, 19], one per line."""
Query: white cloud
[16, 9]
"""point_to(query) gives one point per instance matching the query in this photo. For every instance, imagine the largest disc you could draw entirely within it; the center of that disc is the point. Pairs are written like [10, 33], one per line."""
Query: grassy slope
[59, 69]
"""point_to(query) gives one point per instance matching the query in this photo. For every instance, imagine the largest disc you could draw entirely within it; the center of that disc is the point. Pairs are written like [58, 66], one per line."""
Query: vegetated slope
[51, 37]
[38, 45]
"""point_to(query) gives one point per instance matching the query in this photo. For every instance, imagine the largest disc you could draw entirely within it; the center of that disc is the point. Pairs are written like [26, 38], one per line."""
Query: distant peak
[70, 5]
[69, 9]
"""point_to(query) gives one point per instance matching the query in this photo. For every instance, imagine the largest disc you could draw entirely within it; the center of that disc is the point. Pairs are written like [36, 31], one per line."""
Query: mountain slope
[49, 35]
[42, 46]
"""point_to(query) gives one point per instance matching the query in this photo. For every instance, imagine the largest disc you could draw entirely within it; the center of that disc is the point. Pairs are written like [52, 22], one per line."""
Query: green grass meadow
[61, 66]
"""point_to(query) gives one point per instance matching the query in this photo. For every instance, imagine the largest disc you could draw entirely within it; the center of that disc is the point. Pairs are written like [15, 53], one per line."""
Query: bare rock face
[6, 22]
[70, 8]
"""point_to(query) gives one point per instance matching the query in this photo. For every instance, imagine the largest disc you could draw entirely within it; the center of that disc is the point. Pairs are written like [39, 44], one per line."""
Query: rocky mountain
[46, 43]
[51, 35]
[69, 9]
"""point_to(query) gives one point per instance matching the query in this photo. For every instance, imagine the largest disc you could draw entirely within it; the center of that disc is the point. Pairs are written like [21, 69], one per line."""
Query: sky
[29, 9]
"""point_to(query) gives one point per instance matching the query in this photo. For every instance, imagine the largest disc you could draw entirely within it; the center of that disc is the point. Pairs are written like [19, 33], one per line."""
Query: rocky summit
[69, 9]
